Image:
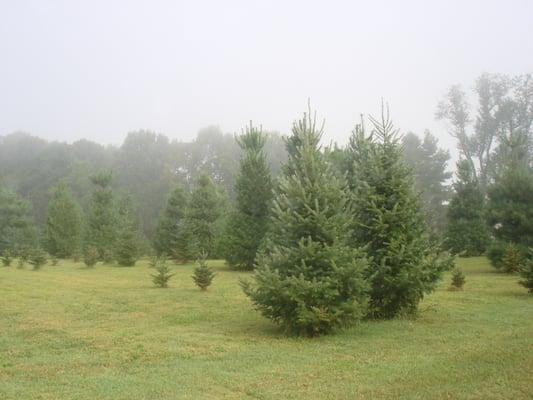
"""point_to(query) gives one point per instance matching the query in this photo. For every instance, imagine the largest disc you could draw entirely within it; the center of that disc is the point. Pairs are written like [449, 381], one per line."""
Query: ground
[67, 332]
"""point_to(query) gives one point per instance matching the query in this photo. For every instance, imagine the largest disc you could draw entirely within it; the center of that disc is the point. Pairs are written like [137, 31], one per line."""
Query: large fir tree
[309, 279]
[200, 218]
[63, 223]
[100, 230]
[170, 237]
[467, 231]
[127, 243]
[388, 222]
[247, 225]
[510, 210]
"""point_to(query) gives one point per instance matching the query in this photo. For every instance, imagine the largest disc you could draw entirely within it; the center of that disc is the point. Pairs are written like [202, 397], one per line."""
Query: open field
[67, 332]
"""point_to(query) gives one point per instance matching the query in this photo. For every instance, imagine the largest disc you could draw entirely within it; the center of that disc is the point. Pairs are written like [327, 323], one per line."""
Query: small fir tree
[63, 223]
[467, 233]
[203, 275]
[458, 279]
[247, 225]
[91, 256]
[163, 274]
[7, 258]
[37, 258]
[23, 256]
[308, 279]
[127, 242]
[526, 272]
[388, 223]
[513, 259]
[54, 260]
[16, 225]
[200, 218]
[170, 237]
[101, 219]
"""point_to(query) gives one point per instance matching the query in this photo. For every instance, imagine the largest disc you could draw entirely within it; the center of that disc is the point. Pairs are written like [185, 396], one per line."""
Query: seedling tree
[203, 275]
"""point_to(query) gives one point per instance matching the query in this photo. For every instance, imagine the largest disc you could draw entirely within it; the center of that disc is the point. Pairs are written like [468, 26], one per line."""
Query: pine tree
[163, 273]
[388, 222]
[200, 218]
[512, 259]
[63, 223]
[37, 258]
[203, 275]
[308, 279]
[467, 232]
[170, 237]
[101, 220]
[458, 279]
[526, 272]
[247, 225]
[17, 229]
[127, 242]
[510, 211]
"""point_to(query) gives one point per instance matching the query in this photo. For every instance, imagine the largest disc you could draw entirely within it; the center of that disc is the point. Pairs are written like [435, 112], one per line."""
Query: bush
[54, 260]
[107, 256]
[37, 258]
[495, 253]
[6, 258]
[203, 275]
[90, 258]
[526, 273]
[23, 256]
[458, 279]
[163, 273]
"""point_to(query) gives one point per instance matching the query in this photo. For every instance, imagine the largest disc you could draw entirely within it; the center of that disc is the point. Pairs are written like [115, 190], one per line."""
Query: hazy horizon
[98, 70]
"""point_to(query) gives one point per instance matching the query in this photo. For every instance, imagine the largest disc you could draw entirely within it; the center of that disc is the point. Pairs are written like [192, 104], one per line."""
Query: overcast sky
[99, 69]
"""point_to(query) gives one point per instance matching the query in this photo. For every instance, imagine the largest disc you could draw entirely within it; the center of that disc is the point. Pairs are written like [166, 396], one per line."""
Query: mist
[98, 70]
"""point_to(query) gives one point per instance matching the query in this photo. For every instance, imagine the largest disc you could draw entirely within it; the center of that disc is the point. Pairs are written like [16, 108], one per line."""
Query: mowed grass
[67, 332]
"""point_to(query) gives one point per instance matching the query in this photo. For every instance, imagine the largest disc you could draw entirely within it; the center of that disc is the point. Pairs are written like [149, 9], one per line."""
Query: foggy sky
[98, 69]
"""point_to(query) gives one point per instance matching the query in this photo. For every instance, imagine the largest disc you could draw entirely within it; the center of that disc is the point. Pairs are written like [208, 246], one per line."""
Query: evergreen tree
[63, 223]
[510, 210]
[247, 225]
[16, 224]
[388, 222]
[309, 279]
[512, 259]
[90, 258]
[170, 237]
[458, 279]
[127, 242]
[163, 273]
[203, 275]
[526, 273]
[200, 218]
[37, 258]
[428, 163]
[467, 233]
[101, 219]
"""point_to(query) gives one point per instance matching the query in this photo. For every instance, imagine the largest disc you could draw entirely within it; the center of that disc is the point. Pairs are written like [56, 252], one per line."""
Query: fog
[100, 69]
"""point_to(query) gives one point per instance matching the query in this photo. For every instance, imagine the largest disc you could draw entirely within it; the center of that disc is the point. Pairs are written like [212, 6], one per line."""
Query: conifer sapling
[37, 258]
[90, 258]
[203, 275]
[458, 279]
[163, 274]
[6, 258]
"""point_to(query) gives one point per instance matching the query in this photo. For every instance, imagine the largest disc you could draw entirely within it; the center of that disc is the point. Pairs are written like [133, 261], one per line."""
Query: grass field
[67, 332]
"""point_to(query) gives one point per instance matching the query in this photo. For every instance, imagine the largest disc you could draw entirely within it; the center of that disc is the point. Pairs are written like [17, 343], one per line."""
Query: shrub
[54, 260]
[458, 279]
[107, 256]
[163, 274]
[37, 258]
[90, 258]
[7, 258]
[203, 275]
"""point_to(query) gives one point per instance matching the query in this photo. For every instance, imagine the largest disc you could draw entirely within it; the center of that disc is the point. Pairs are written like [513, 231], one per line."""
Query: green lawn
[67, 332]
